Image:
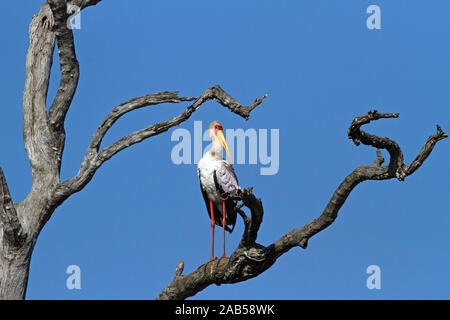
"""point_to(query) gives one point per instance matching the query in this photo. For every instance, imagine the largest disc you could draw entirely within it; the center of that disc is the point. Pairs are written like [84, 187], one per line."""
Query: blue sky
[129, 228]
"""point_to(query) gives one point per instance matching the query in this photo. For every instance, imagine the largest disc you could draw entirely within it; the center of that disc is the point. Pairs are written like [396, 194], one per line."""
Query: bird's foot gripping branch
[250, 259]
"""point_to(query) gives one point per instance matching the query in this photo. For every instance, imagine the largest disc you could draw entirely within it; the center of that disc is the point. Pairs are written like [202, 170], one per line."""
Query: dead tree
[44, 139]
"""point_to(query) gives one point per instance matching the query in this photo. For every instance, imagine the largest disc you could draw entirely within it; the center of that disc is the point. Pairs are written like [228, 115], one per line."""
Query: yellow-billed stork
[215, 173]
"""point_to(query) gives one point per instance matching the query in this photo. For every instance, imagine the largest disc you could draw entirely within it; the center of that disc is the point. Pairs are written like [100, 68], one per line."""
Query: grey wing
[226, 177]
[225, 180]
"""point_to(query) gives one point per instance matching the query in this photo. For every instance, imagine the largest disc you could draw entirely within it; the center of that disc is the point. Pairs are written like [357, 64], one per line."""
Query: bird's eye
[218, 127]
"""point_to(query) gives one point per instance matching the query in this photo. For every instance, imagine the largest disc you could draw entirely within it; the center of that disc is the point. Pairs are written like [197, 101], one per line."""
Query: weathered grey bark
[250, 259]
[44, 139]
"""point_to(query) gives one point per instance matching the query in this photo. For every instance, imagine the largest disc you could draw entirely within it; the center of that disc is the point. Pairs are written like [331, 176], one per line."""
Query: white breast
[206, 167]
[225, 175]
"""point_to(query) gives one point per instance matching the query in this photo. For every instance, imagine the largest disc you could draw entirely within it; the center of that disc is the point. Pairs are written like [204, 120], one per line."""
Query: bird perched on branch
[216, 178]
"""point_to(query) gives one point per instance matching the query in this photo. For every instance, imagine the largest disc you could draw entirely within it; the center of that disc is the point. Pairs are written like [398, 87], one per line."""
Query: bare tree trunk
[19, 235]
[28, 216]
[15, 266]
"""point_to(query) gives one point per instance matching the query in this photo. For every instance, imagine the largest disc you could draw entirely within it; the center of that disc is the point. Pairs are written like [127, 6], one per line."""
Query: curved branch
[130, 105]
[68, 65]
[357, 135]
[43, 133]
[251, 259]
[36, 135]
[252, 224]
[426, 150]
[94, 158]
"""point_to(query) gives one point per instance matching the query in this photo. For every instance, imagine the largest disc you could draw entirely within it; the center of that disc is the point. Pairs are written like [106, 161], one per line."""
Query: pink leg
[213, 223]
[223, 226]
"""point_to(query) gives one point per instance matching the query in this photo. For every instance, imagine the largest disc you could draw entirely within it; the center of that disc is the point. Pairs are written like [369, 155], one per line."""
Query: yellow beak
[221, 138]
